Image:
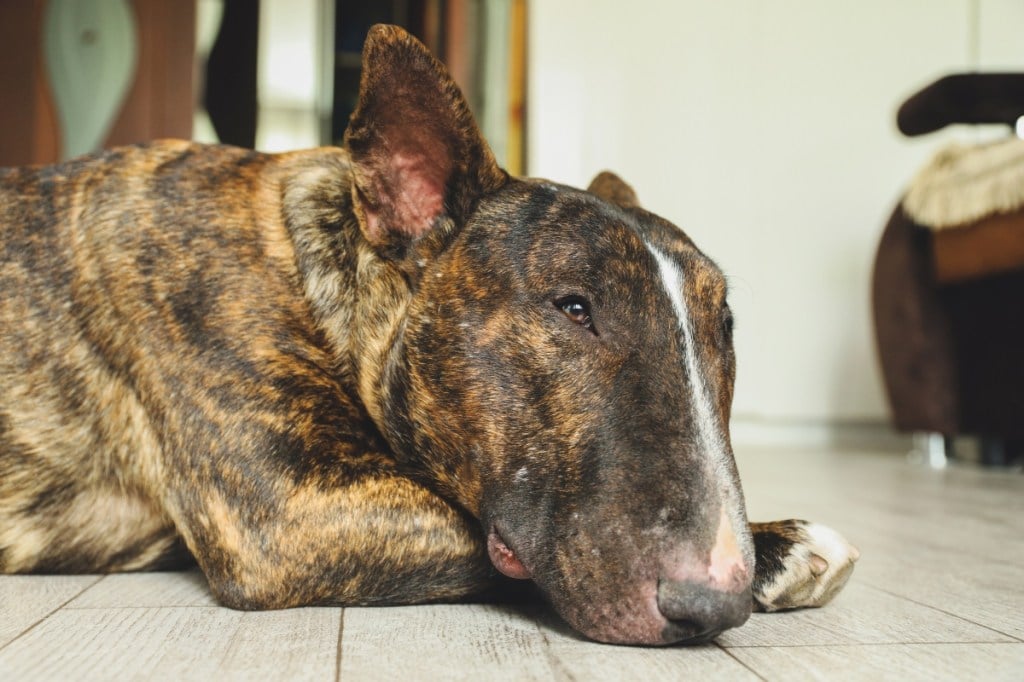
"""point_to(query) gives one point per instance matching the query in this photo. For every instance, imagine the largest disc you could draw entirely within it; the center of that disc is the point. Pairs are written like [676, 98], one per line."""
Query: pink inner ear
[407, 173]
[416, 186]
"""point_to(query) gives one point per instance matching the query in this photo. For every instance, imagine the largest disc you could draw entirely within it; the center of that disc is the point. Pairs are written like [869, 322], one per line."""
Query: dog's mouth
[504, 557]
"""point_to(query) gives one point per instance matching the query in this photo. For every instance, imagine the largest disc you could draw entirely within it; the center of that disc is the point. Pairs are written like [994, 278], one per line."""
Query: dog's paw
[799, 564]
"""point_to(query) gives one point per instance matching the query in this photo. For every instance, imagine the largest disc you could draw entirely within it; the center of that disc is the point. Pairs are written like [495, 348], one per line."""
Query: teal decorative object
[90, 50]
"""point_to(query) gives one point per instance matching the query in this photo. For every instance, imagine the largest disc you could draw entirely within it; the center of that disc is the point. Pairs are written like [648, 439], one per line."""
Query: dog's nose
[700, 599]
[697, 612]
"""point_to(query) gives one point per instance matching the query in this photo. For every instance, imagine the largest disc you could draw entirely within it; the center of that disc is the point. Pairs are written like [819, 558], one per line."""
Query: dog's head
[559, 362]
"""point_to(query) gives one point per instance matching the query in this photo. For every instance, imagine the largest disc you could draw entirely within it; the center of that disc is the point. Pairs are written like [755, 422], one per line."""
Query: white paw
[813, 570]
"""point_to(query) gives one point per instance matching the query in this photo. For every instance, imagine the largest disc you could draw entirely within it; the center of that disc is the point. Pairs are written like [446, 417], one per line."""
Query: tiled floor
[937, 594]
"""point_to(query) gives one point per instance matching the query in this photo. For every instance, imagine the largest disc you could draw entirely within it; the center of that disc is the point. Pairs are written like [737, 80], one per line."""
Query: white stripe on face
[708, 430]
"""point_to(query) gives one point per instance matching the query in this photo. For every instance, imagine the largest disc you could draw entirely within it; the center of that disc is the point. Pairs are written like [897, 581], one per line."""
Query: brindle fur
[177, 382]
[274, 365]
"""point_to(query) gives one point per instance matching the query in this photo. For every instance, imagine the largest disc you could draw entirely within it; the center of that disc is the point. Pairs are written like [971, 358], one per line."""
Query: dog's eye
[577, 309]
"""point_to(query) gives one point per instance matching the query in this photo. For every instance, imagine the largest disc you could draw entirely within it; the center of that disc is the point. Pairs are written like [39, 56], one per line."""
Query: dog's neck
[357, 296]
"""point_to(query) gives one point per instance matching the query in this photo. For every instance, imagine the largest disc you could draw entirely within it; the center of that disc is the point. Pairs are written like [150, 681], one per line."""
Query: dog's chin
[632, 620]
[613, 614]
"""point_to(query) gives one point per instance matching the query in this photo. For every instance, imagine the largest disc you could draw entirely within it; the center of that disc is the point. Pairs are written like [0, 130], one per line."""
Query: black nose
[696, 612]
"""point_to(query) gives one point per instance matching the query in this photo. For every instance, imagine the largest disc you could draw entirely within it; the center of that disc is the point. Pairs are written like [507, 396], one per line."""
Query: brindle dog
[379, 375]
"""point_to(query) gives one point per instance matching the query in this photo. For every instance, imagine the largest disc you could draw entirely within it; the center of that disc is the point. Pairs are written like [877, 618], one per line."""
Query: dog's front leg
[376, 539]
[799, 564]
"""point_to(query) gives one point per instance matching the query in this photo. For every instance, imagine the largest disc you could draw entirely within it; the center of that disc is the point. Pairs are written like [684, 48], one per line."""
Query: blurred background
[764, 128]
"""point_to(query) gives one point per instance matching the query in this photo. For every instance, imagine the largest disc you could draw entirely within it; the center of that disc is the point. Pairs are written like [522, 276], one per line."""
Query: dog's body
[376, 375]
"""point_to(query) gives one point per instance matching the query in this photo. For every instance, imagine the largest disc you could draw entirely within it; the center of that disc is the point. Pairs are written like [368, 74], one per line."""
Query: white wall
[764, 128]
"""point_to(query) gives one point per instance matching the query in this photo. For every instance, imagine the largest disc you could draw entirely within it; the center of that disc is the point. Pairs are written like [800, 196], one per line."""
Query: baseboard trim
[875, 436]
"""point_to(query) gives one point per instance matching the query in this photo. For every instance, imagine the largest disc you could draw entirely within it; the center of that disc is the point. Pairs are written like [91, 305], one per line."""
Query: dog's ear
[614, 190]
[417, 154]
